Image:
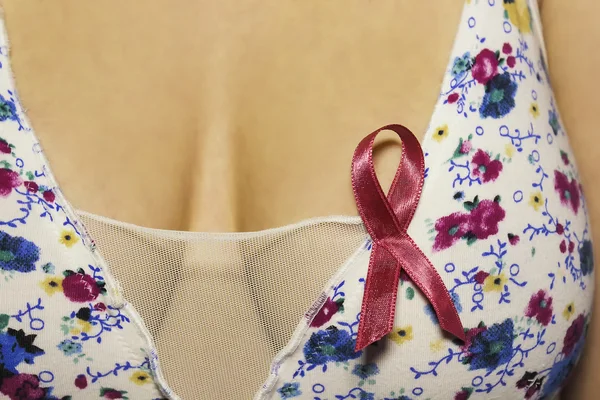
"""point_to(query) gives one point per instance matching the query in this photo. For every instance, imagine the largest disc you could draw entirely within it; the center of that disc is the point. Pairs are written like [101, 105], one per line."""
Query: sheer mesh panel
[220, 306]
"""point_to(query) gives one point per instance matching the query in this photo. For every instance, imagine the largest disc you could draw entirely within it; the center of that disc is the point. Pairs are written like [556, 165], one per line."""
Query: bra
[502, 219]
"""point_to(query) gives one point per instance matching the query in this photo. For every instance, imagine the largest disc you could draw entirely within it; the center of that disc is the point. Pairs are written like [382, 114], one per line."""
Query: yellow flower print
[51, 285]
[68, 237]
[401, 335]
[494, 283]
[436, 345]
[440, 133]
[519, 14]
[509, 150]
[569, 311]
[534, 109]
[84, 326]
[536, 200]
[140, 378]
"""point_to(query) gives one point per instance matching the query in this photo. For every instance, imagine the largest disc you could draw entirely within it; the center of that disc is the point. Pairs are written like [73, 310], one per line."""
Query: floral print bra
[502, 218]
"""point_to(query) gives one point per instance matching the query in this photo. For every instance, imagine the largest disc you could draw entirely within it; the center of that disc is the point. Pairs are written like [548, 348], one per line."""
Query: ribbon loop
[387, 220]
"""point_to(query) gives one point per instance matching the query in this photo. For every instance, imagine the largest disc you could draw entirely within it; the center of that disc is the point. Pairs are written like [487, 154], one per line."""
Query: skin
[262, 113]
[237, 116]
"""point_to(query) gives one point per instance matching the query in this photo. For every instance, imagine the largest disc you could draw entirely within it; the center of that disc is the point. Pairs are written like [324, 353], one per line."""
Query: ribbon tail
[441, 302]
[420, 270]
[379, 301]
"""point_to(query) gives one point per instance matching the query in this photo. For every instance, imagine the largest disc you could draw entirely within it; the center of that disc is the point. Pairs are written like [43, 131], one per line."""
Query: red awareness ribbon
[387, 221]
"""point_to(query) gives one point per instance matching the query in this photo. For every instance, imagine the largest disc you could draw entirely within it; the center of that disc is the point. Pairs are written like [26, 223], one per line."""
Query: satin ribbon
[387, 221]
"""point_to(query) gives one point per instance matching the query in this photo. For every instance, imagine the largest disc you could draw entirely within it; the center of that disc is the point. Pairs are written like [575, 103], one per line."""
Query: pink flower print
[484, 166]
[513, 239]
[450, 229]
[485, 67]
[22, 386]
[568, 191]
[560, 229]
[8, 181]
[403, 276]
[485, 218]
[528, 381]
[565, 157]
[573, 334]
[511, 61]
[80, 287]
[534, 388]
[81, 381]
[540, 307]
[49, 196]
[506, 48]
[31, 186]
[480, 277]
[4, 147]
[479, 223]
[464, 394]
[325, 313]
[453, 98]
[465, 147]
[111, 393]
[563, 247]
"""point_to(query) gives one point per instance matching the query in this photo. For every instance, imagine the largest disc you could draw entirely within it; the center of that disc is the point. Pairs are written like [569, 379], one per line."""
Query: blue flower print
[364, 371]
[490, 347]
[366, 396]
[459, 196]
[68, 347]
[48, 268]
[461, 65]
[559, 372]
[499, 96]
[15, 348]
[431, 312]
[357, 393]
[289, 390]
[553, 121]
[8, 110]
[586, 257]
[17, 253]
[329, 345]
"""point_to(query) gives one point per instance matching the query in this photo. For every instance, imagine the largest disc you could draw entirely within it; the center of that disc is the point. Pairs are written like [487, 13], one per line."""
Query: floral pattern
[479, 222]
[540, 308]
[503, 219]
[331, 306]
[485, 167]
[519, 14]
[568, 191]
[487, 348]
[17, 253]
[62, 337]
[492, 70]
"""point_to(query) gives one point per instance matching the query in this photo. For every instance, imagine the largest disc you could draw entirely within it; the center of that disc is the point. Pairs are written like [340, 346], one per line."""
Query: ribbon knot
[387, 219]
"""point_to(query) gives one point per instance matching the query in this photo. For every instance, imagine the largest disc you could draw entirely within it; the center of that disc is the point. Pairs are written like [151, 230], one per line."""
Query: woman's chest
[171, 110]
